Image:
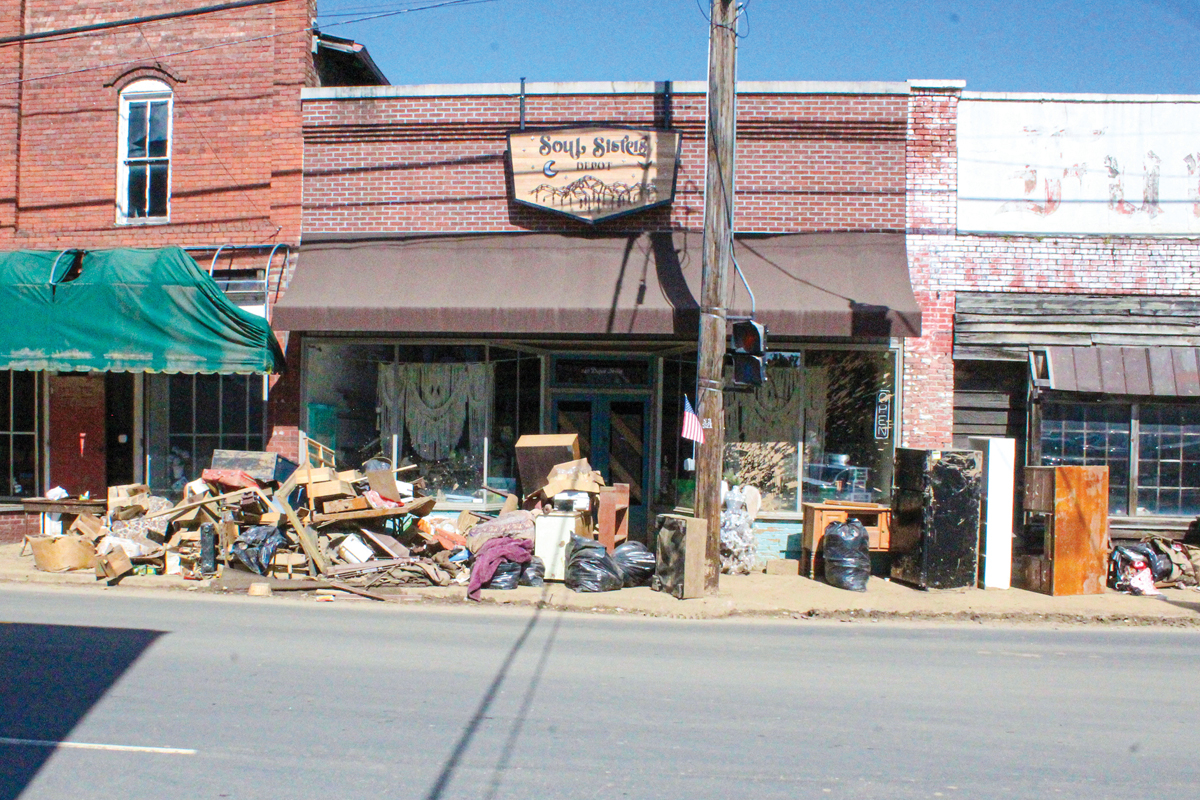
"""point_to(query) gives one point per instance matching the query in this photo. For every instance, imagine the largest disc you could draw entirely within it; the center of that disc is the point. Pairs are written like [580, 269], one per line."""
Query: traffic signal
[749, 347]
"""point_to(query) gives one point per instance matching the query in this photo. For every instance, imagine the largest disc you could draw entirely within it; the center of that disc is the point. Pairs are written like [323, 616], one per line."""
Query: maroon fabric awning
[840, 285]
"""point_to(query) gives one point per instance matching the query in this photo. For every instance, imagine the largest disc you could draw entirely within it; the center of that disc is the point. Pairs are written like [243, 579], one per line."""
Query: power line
[99, 26]
[230, 43]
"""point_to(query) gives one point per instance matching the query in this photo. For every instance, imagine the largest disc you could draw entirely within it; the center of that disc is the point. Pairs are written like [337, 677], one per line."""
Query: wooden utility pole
[718, 252]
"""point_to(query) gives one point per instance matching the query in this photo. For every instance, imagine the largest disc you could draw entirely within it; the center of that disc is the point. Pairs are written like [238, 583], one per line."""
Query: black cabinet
[935, 517]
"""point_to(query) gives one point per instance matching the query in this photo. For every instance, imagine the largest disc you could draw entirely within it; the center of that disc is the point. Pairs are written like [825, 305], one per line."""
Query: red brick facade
[236, 150]
[383, 161]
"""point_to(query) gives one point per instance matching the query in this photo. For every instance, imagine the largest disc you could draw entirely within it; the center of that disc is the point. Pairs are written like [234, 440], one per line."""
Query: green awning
[124, 311]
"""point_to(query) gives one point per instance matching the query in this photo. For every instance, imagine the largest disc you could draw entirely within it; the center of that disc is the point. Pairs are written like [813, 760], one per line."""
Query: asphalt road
[275, 699]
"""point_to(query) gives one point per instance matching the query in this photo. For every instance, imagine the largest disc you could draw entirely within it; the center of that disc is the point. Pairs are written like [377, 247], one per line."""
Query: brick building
[168, 129]
[444, 314]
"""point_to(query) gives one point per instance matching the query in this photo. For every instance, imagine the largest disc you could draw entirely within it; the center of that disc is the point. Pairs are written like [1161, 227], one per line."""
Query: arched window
[144, 152]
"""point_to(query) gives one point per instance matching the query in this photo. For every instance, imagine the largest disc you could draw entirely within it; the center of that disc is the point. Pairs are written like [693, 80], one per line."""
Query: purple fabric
[493, 552]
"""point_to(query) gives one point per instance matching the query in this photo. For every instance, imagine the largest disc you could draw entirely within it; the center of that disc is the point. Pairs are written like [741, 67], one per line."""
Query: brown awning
[1155, 371]
[646, 284]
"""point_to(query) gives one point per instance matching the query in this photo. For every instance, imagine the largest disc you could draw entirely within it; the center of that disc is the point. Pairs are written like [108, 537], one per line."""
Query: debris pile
[363, 531]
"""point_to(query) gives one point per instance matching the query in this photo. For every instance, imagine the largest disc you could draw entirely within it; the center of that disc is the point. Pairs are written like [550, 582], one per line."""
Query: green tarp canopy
[124, 311]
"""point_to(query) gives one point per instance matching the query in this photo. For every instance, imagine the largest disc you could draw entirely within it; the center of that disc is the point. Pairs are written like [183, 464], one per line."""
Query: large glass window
[18, 434]
[820, 428]
[1163, 458]
[1090, 435]
[455, 411]
[144, 152]
[190, 416]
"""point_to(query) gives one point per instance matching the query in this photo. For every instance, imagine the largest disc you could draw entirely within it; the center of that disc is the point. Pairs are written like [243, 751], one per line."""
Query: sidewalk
[740, 595]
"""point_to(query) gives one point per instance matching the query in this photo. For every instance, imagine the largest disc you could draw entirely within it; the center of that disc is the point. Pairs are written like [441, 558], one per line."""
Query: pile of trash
[1152, 564]
[359, 530]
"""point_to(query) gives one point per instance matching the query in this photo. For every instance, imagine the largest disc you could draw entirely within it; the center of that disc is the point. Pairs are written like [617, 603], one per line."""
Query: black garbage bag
[256, 547]
[507, 576]
[636, 562]
[847, 555]
[534, 573]
[590, 568]
[1160, 565]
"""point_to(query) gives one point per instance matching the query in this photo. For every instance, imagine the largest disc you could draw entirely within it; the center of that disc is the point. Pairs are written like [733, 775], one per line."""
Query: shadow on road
[52, 676]
[460, 748]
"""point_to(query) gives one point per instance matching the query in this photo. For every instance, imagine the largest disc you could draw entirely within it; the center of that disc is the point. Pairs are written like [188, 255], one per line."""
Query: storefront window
[1166, 451]
[819, 429]
[455, 411]
[1169, 460]
[18, 434]
[190, 416]
[1087, 435]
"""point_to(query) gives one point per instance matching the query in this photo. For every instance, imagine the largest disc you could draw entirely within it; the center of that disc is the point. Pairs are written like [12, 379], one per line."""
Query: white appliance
[999, 484]
[551, 534]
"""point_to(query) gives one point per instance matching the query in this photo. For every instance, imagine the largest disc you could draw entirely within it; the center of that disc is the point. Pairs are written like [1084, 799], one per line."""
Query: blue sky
[1130, 46]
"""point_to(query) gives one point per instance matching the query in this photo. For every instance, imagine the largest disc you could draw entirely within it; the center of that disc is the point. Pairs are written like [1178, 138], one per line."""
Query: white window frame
[141, 91]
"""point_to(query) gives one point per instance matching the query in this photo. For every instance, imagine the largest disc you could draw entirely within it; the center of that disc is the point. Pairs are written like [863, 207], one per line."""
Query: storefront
[123, 365]
[443, 350]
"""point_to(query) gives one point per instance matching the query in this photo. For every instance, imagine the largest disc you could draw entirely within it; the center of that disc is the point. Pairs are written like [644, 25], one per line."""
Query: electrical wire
[232, 43]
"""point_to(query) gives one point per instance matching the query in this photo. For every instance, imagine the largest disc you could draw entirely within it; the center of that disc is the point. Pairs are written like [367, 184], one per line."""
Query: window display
[820, 428]
[455, 411]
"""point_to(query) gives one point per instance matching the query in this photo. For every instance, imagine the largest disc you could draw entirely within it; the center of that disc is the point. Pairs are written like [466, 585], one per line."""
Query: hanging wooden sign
[593, 173]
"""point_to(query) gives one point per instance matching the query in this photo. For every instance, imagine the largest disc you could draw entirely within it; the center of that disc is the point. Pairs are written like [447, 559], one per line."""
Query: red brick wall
[943, 262]
[805, 162]
[16, 525]
[236, 153]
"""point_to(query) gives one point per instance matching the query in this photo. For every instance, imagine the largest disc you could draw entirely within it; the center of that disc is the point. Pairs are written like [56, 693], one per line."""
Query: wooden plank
[175, 510]
[1080, 531]
[973, 417]
[308, 540]
[970, 399]
[418, 507]
[378, 565]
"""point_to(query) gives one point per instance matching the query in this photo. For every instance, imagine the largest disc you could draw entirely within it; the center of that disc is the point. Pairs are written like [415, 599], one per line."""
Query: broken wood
[418, 508]
[166, 512]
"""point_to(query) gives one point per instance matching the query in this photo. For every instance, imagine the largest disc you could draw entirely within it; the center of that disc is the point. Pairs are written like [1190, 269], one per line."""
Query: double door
[614, 436]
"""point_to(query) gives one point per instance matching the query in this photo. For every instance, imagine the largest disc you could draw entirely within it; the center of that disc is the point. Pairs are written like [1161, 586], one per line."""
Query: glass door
[614, 436]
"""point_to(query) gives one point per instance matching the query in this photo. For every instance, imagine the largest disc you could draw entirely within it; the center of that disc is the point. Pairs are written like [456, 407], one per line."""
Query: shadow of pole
[514, 732]
[464, 741]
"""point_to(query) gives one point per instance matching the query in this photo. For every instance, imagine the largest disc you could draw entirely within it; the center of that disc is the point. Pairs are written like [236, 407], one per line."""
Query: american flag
[691, 423]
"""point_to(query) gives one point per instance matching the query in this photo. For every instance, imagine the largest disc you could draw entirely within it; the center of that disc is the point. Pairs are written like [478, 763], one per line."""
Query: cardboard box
[127, 495]
[62, 553]
[783, 566]
[88, 526]
[538, 453]
[113, 565]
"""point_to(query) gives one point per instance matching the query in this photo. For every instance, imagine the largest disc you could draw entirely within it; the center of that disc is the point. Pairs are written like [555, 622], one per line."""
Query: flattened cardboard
[62, 553]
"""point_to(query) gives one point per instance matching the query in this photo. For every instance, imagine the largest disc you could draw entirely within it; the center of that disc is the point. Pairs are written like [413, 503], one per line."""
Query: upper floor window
[144, 152]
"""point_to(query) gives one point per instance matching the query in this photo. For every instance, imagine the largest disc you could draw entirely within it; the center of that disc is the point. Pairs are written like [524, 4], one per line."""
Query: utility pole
[718, 252]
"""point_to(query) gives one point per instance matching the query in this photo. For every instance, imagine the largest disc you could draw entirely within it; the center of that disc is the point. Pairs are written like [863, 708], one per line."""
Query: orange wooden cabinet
[1075, 502]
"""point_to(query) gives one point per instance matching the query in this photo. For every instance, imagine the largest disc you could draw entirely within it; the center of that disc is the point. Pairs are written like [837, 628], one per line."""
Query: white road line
[121, 748]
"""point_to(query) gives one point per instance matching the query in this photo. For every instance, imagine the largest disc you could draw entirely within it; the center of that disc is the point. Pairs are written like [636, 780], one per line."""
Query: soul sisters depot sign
[593, 174]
